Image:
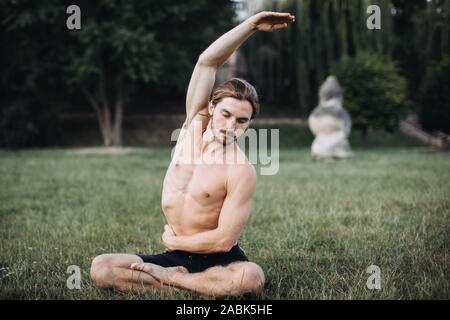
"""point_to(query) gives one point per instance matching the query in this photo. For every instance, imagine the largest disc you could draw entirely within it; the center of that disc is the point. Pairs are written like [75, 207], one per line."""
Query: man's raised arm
[203, 76]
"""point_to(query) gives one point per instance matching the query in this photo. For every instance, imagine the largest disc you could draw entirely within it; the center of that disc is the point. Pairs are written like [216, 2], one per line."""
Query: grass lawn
[315, 227]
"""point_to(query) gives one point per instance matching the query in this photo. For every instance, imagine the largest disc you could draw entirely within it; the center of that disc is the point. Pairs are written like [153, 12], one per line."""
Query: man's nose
[231, 124]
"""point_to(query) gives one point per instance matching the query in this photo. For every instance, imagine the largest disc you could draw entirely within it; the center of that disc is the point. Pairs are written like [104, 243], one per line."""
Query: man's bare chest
[199, 181]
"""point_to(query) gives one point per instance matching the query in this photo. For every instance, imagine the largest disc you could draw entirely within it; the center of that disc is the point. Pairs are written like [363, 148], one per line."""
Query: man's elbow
[226, 244]
[206, 62]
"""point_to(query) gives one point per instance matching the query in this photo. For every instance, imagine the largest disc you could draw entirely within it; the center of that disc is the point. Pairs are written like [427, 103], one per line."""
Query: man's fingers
[286, 19]
[277, 20]
[279, 14]
[282, 15]
[169, 229]
[280, 26]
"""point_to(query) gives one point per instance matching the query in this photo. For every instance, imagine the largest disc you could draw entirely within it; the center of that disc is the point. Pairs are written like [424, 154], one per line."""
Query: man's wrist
[251, 25]
[172, 244]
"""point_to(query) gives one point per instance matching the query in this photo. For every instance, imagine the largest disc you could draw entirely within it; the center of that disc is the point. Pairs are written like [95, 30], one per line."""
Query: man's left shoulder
[242, 172]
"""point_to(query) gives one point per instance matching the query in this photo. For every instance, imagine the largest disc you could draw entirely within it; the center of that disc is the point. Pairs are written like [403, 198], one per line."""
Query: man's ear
[210, 108]
[249, 125]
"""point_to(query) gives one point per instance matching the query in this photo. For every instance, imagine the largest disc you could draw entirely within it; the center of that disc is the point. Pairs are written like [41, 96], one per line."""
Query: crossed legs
[128, 273]
[112, 271]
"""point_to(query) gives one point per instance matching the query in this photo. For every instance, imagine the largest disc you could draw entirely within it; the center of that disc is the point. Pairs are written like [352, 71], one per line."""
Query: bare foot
[161, 274]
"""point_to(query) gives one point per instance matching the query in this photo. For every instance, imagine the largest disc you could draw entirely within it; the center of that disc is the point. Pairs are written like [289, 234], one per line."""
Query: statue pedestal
[331, 145]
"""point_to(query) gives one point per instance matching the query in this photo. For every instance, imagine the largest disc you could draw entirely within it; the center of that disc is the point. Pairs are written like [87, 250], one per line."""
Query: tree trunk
[106, 125]
[105, 119]
[111, 132]
[118, 115]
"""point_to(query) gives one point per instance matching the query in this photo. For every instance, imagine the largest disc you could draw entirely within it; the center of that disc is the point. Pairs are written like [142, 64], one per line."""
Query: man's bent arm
[204, 242]
[233, 217]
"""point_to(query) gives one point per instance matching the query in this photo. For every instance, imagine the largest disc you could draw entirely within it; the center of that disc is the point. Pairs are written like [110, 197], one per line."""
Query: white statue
[330, 123]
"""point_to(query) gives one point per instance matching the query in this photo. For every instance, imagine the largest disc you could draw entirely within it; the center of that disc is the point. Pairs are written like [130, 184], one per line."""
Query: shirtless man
[206, 202]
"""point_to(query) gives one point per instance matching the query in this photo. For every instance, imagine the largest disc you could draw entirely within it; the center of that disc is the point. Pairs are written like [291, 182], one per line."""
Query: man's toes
[160, 273]
[182, 269]
[144, 267]
[172, 270]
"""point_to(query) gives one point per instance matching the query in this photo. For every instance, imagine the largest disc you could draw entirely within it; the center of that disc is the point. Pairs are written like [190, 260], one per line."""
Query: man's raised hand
[269, 21]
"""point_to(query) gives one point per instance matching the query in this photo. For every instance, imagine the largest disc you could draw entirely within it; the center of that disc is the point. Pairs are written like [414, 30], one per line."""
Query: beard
[223, 136]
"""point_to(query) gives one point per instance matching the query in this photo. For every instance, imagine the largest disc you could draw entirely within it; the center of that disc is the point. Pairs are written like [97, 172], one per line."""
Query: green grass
[315, 226]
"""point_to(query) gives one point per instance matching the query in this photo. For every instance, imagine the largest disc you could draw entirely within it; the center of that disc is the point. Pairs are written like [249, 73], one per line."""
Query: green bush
[374, 92]
[27, 123]
[435, 98]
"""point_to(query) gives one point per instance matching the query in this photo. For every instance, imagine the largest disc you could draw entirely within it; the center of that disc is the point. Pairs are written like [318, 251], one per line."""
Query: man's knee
[251, 278]
[101, 271]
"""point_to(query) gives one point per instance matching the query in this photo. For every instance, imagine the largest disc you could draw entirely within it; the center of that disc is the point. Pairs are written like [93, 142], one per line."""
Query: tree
[374, 92]
[289, 67]
[121, 45]
[27, 75]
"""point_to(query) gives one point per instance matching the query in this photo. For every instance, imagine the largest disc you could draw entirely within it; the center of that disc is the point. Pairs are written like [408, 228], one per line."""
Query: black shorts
[195, 262]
